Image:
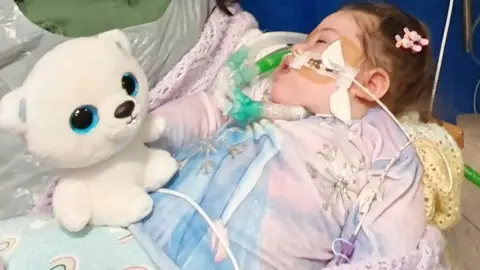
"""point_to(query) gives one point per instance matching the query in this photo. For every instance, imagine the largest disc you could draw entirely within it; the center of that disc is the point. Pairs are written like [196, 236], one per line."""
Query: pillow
[158, 45]
[76, 18]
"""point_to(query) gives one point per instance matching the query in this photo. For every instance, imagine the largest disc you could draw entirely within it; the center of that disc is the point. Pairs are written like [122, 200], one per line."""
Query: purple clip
[346, 249]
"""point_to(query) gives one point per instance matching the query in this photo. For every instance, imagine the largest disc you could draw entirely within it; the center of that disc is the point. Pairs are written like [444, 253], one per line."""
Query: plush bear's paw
[74, 222]
[134, 210]
[139, 207]
[70, 204]
[160, 168]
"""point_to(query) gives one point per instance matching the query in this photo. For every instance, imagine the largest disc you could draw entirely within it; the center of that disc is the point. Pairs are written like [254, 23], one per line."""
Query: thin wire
[472, 33]
[209, 221]
[475, 97]
[363, 212]
[334, 250]
[477, 61]
[385, 108]
[379, 102]
[442, 52]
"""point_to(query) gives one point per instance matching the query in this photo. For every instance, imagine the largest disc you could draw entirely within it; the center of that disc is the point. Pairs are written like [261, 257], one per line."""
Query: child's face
[306, 88]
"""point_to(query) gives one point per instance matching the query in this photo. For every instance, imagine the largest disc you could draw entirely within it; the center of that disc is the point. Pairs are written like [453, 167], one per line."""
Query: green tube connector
[245, 110]
[244, 75]
[472, 175]
[271, 62]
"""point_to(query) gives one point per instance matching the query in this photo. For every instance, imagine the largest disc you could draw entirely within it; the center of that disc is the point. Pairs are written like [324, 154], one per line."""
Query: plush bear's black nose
[124, 110]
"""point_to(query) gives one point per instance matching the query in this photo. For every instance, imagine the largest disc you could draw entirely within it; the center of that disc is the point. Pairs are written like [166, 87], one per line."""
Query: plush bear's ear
[119, 37]
[12, 112]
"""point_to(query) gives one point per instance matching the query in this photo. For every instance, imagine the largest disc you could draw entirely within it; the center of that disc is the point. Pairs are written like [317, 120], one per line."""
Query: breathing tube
[269, 63]
[243, 70]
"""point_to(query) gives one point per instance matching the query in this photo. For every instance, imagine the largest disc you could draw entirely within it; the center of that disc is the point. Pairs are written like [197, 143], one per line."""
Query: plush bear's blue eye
[84, 119]
[130, 84]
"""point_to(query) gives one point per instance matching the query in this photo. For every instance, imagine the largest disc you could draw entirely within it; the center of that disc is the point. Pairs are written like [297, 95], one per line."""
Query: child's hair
[411, 74]
[224, 4]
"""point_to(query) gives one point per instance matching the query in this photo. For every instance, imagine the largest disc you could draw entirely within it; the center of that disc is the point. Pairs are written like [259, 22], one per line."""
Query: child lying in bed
[285, 195]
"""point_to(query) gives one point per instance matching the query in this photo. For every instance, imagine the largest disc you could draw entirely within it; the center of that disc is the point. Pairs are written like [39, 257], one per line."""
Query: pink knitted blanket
[197, 71]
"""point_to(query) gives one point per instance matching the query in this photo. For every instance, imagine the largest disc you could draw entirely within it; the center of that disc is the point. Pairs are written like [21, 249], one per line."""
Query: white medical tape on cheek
[324, 65]
[348, 73]
[334, 61]
[344, 73]
[340, 105]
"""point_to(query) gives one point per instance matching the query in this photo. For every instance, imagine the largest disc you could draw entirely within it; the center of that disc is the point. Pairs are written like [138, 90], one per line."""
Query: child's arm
[188, 119]
[396, 221]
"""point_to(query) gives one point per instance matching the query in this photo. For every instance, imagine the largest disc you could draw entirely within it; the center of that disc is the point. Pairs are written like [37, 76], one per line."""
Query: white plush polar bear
[83, 110]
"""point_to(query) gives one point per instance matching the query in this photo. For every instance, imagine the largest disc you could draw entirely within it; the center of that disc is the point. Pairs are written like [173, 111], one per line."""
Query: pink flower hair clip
[411, 40]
